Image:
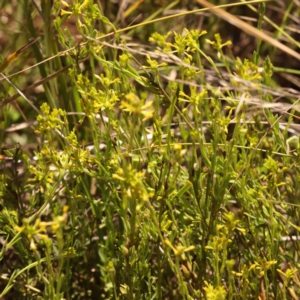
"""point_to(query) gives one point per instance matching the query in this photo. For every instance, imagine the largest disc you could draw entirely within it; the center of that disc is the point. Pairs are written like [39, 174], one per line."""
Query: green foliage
[149, 177]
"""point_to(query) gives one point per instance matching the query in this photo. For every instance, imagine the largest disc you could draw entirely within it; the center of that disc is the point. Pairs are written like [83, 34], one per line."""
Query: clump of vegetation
[144, 158]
